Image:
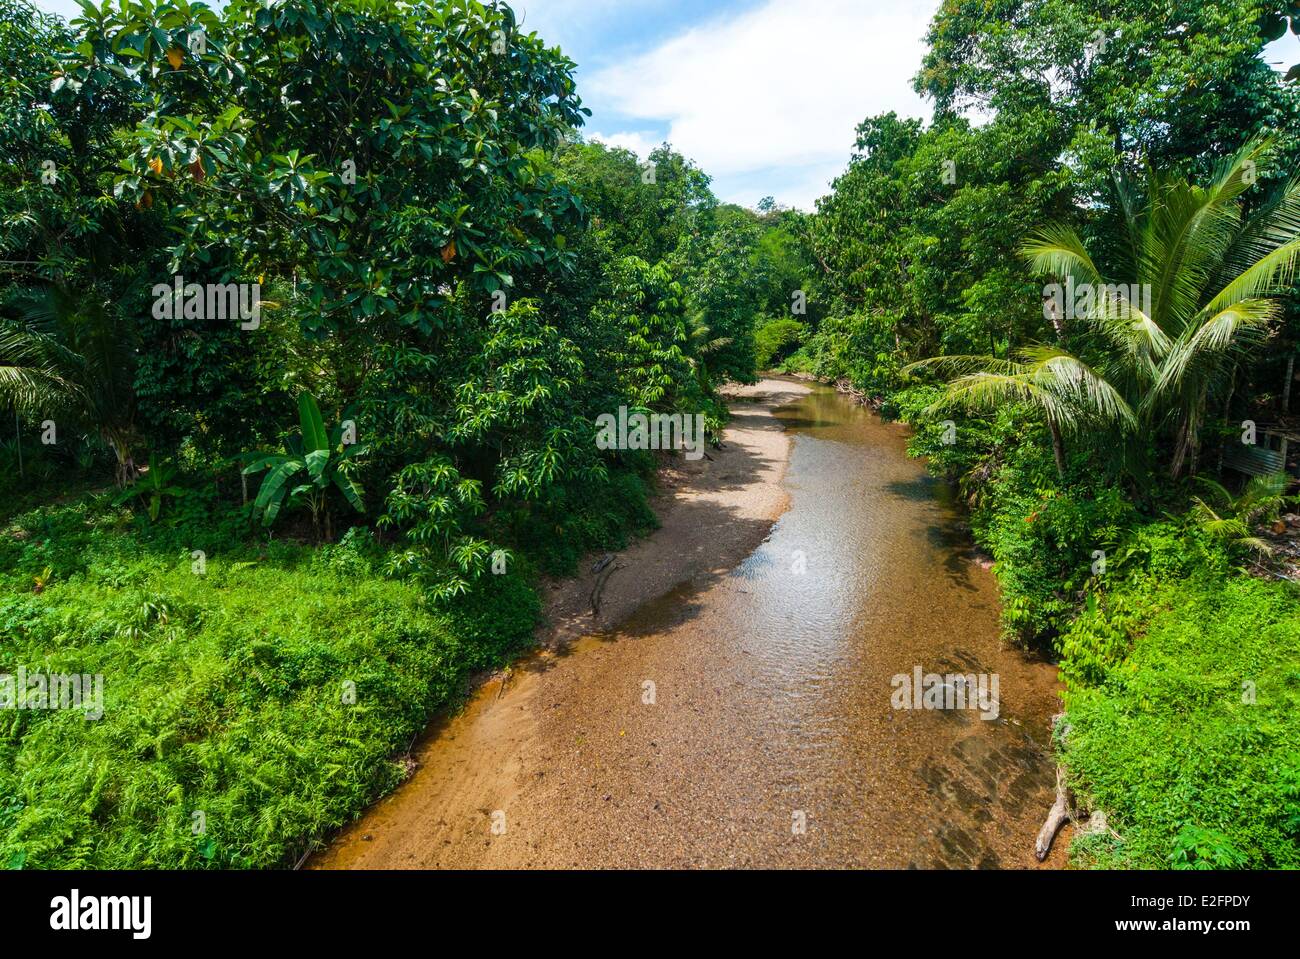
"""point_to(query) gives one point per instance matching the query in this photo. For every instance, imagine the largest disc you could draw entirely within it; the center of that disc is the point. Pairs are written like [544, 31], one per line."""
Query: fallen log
[599, 587]
[1062, 811]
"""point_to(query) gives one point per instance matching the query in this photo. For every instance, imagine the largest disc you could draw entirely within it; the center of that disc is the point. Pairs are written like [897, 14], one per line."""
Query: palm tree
[1072, 397]
[1203, 273]
[704, 345]
[71, 357]
[1233, 518]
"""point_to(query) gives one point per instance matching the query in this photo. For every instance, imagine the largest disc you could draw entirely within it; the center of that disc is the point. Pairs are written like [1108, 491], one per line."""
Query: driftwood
[1062, 810]
[603, 569]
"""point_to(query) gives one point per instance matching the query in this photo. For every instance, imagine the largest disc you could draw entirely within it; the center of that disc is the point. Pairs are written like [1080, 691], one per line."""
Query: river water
[752, 719]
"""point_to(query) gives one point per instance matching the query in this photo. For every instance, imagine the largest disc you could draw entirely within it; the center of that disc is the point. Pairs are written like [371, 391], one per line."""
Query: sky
[764, 95]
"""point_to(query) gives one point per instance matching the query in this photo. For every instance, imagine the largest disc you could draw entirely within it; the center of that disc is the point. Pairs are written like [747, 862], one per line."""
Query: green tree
[71, 356]
[1189, 291]
[648, 305]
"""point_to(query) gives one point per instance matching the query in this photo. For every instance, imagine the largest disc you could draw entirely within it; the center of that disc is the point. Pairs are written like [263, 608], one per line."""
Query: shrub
[224, 693]
[1188, 740]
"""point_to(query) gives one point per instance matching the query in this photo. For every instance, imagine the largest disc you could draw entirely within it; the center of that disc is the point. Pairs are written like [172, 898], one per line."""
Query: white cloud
[640, 142]
[780, 87]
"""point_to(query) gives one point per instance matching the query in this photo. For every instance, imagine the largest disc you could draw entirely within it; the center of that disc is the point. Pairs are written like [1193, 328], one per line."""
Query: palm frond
[1058, 251]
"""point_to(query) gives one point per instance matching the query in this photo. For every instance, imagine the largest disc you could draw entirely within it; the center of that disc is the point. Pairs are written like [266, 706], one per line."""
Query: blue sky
[763, 94]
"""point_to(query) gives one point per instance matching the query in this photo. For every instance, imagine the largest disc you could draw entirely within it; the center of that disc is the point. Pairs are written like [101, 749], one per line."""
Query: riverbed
[748, 714]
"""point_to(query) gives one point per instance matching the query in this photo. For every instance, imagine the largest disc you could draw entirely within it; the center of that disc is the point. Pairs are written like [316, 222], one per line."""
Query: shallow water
[869, 575]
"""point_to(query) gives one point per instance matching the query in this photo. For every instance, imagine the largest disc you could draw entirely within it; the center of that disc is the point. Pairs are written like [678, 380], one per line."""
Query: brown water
[772, 703]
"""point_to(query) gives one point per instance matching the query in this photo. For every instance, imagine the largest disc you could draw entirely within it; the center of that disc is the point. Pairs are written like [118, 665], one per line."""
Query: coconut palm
[1072, 397]
[1205, 274]
[72, 358]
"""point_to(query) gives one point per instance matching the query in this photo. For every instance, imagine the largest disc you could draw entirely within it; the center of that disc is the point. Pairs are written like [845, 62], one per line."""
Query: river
[750, 719]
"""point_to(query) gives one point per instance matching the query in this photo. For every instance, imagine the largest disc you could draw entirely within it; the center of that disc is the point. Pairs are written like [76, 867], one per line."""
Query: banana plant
[155, 484]
[314, 460]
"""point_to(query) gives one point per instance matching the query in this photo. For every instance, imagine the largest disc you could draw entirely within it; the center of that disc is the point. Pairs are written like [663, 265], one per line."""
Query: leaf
[314, 436]
[271, 495]
[263, 462]
[351, 491]
[317, 461]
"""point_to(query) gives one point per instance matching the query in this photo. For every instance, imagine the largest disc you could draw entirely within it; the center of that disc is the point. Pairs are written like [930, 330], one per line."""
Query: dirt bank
[518, 748]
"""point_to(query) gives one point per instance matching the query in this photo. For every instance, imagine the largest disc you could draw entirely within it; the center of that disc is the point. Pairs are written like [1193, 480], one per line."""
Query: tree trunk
[1286, 387]
[1188, 440]
[1227, 410]
[1182, 446]
[126, 471]
[1198, 414]
[1058, 447]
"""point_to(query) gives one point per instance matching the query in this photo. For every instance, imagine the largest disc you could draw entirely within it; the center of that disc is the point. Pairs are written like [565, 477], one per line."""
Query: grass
[1190, 741]
[224, 693]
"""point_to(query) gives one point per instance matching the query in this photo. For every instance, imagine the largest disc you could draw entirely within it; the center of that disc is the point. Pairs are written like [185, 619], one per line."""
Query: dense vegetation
[387, 421]
[428, 285]
[1148, 159]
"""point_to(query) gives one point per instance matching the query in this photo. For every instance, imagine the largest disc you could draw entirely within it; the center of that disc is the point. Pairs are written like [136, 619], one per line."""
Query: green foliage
[919, 236]
[70, 358]
[775, 340]
[155, 484]
[580, 518]
[1188, 739]
[858, 347]
[223, 693]
[1153, 342]
[647, 306]
[1233, 518]
[1197, 848]
[1173, 88]
[316, 460]
[432, 502]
